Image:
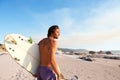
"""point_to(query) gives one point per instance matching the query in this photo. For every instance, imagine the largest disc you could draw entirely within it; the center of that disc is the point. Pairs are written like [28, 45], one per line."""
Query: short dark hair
[52, 29]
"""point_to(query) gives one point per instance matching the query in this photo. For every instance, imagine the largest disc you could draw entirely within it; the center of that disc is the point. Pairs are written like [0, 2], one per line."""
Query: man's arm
[54, 65]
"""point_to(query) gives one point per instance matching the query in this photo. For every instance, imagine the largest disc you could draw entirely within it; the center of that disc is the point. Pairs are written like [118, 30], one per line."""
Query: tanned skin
[48, 48]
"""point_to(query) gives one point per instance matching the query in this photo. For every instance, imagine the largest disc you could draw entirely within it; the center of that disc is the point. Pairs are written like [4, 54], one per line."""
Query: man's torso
[45, 46]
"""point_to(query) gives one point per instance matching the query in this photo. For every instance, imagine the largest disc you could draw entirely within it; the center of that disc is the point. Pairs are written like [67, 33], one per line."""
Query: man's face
[56, 33]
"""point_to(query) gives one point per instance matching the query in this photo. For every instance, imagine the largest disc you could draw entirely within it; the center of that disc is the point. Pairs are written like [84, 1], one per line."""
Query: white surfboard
[25, 52]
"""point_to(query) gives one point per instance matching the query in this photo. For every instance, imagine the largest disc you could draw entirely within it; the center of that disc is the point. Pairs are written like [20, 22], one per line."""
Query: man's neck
[51, 38]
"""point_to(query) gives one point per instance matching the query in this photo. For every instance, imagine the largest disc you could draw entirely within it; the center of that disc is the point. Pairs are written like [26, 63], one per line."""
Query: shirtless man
[48, 46]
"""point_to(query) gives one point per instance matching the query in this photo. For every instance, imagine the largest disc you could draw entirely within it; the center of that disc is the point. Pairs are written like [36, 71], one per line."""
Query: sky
[84, 24]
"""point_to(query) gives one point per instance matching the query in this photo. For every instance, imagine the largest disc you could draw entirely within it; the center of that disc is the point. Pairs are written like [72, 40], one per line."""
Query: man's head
[53, 31]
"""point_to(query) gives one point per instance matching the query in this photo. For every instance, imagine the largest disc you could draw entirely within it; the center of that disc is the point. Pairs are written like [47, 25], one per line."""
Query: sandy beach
[98, 69]
[10, 70]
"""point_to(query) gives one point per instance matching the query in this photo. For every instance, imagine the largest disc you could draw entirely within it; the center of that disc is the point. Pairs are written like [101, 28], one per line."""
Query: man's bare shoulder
[48, 42]
[53, 42]
[43, 40]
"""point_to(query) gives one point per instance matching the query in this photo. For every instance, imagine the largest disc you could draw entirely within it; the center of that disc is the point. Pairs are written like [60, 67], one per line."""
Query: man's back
[45, 46]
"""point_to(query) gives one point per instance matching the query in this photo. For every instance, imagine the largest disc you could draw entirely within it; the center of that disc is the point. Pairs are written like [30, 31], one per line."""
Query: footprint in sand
[118, 65]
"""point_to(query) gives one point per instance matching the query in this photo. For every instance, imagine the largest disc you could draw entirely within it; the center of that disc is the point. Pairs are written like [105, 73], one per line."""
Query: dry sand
[99, 69]
[10, 70]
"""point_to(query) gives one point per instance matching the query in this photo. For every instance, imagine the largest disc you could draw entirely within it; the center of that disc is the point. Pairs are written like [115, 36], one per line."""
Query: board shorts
[45, 73]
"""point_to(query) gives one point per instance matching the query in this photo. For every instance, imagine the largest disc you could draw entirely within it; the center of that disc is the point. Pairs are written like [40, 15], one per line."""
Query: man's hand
[62, 77]
[58, 78]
